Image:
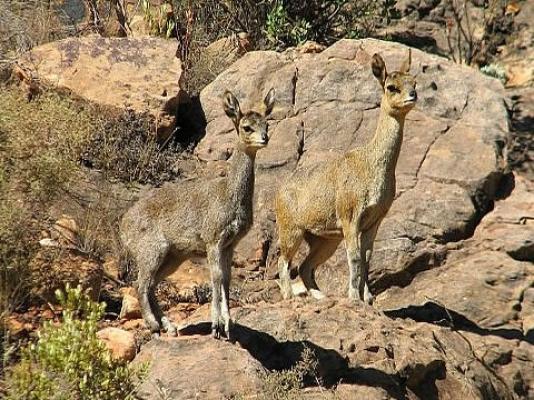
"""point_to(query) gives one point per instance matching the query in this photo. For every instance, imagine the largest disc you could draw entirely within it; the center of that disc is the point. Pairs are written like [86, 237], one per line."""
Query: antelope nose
[413, 94]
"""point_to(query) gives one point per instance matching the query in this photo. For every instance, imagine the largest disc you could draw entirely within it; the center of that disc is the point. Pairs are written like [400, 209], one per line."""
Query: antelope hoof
[317, 294]
[227, 328]
[169, 327]
[369, 299]
[286, 294]
[285, 289]
[298, 289]
[217, 332]
[228, 335]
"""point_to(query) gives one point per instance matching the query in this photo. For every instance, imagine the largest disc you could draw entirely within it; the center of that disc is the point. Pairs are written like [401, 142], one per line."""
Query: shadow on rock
[436, 314]
[190, 122]
[332, 367]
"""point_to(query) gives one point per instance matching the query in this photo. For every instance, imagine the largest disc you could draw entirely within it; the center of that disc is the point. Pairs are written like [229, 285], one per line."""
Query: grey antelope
[198, 218]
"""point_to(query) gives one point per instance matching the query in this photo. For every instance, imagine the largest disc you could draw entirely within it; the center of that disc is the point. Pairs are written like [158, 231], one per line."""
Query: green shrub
[495, 71]
[270, 24]
[287, 384]
[69, 362]
[157, 18]
[292, 23]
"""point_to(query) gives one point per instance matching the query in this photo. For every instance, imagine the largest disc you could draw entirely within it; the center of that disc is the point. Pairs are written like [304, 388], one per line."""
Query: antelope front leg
[353, 257]
[367, 239]
[351, 234]
[214, 260]
[226, 263]
[283, 274]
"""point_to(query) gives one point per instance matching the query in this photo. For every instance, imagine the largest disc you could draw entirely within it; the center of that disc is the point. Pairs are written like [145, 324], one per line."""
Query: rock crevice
[327, 104]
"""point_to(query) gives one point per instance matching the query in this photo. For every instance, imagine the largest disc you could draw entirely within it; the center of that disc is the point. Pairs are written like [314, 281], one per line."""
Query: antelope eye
[393, 89]
[247, 129]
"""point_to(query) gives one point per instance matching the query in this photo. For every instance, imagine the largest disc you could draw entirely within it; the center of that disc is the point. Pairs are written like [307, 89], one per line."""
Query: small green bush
[287, 384]
[69, 361]
[270, 24]
[290, 23]
[495, 71]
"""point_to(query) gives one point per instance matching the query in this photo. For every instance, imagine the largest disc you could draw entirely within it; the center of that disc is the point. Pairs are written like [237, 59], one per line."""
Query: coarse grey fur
[197, 219]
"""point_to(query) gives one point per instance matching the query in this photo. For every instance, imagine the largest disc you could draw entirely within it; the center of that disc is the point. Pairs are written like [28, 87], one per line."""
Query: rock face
[485, 286]
[374, 355]
[188, 280]
[139, 73]
[450, 165]
[120, 343]
[52, 269]
[197, 368]
[496, 261]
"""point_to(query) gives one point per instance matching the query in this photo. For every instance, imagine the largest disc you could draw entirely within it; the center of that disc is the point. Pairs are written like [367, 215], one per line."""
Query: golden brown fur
[347, 198]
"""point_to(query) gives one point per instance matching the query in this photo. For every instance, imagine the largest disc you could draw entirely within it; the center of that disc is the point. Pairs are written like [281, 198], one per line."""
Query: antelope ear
[406, 64]
[231, 106]
[269, 102]
[379, 69]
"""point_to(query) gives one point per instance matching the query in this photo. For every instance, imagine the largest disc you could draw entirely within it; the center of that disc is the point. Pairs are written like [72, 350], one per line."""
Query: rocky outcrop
[52, 269]
[486, 287]
[463, 330]
[451, 162]
[142, 73]
[517, 57]
[370, 353]
[197, 367]
[487, 278]
[119, 342]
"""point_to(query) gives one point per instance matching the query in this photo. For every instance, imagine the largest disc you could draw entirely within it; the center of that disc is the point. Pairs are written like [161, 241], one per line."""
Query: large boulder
[52, 268]
[120, 343]
[373, 356]
[487, 278]
[142, 73]
[450, 166]
[196, 368]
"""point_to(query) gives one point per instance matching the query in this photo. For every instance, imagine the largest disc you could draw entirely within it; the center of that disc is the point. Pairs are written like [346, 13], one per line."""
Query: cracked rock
[449, 153]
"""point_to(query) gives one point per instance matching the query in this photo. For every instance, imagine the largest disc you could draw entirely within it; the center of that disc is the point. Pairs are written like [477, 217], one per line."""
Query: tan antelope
[346, 198]
[198, 219]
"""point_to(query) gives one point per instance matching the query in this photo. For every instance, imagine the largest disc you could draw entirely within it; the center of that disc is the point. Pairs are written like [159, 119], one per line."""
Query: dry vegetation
[275, 24]
[287, 384]
[466, 47]
[77, 159]
[63, 155]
